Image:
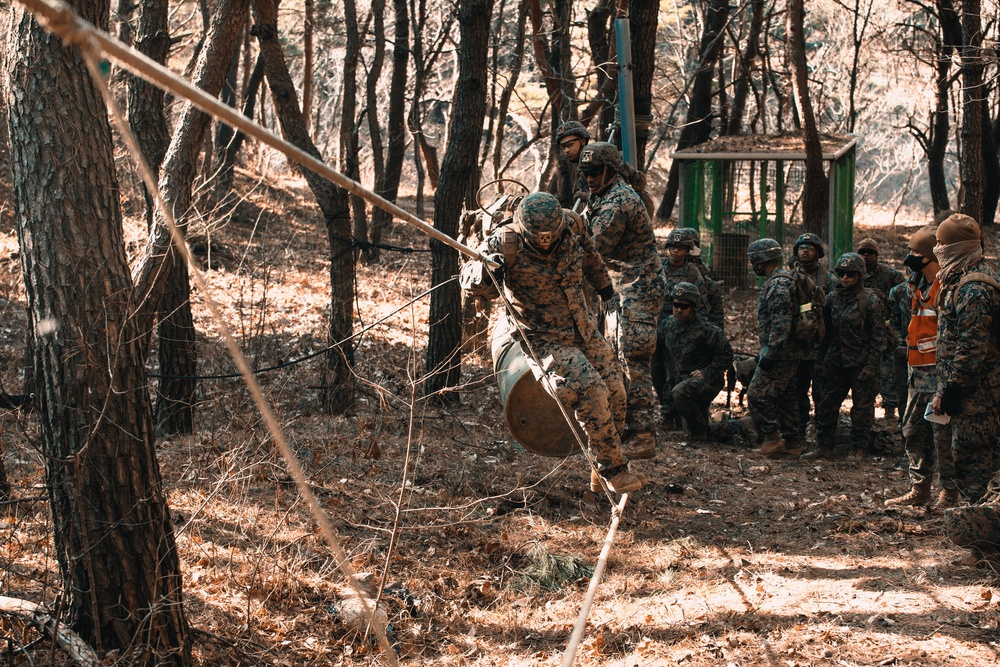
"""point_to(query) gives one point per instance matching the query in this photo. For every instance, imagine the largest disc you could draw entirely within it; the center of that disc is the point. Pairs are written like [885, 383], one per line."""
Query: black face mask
[915, 263]
[759, 269]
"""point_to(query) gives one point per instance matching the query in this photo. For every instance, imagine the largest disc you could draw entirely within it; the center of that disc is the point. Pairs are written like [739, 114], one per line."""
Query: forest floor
[483, 550]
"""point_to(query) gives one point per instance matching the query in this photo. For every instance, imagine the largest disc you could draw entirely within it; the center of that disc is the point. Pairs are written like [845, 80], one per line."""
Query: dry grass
[727, 559]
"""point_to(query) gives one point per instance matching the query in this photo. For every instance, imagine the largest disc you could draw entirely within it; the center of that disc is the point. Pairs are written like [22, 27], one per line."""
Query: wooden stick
[78, 650]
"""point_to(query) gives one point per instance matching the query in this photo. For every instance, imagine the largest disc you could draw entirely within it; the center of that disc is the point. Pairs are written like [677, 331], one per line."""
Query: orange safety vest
[921, 335]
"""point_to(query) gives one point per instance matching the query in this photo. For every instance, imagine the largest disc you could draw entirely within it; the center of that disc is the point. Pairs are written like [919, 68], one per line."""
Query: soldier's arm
[608, 226]
[713, 295]
[722, 352]
[779, 303]
[594, 269]
[975, 304]
[878, 338]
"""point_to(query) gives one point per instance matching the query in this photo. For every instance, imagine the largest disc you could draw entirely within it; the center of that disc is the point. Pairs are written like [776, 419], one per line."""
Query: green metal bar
[779, 200]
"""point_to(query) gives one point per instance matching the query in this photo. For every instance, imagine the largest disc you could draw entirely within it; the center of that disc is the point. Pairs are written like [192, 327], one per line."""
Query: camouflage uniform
[623, 235]
[547, 295]
[771, 395]
[850, 360]
[967, 358]
[882, 279]
[898, 307]
[696, 345]
[978, 526]
[568, 185]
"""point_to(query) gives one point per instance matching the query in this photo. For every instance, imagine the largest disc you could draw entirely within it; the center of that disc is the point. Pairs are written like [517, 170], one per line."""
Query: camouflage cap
[852, 261]
[601, 153]
[810, 239]
[684, 291]
[572, 128]
[763, 250]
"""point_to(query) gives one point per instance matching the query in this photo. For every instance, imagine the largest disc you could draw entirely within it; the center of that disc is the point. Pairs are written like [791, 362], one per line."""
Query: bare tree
[464, 135]
[643, 16]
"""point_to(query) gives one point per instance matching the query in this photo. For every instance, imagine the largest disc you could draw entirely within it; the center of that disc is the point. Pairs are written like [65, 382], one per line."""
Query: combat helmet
[763, 251]
[540, 220]
[572, 128]
[851, 261]
[601, 154]
[685, 291]
[809, 238]
[680, 237]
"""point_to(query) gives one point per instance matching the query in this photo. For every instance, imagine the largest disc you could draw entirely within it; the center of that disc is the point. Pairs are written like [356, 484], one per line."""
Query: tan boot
[639, 445]
[622, 481]
[919, 495]
[773, 445]
[947, 498]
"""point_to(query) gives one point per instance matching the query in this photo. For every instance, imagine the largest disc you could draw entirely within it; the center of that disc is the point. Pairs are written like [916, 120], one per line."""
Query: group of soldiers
[928, 343]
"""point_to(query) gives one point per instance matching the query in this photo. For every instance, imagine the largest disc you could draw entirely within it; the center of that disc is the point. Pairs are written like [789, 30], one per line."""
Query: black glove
[767, 363]
[606, 293]
[951, 399]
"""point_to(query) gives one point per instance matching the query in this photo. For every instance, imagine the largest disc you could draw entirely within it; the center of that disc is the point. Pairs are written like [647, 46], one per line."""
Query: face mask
[915, 263]
[759, 269]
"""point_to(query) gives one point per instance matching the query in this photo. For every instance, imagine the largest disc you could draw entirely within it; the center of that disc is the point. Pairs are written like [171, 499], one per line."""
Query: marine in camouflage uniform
[543, 279]
[850, 358]
[967, 353]
[771, 395]
[696, 354]
[806, 255]
[882, 278]
[898, 307]
[977, 527]
[569, 185]
[623, 235]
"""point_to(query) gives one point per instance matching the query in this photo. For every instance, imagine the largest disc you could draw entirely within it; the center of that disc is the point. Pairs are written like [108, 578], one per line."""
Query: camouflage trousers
[634, 337]
[771, 399]
[977, 526]
[587, 381]
[890, 388]
[926, 442]
[836, 383]
[974, 444]
[691, 398]
[805, 377]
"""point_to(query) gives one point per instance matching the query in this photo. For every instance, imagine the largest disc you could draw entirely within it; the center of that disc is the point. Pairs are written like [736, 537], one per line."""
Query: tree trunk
[642, 25]
[332, 200]
[348, 127]
[743, 82]
[464, 135]
[112, 529]
[698, 125]
[815, 201]
[973, 94]
[991, 168]
[949, 38]
[397, 129]
[307, 62]
[372, 103]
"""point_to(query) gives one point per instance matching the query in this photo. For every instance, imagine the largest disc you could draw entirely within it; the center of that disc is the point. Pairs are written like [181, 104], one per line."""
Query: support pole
[626, 103]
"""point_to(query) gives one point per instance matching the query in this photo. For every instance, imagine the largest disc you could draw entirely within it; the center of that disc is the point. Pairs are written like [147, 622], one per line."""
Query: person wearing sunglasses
[697, 355]
[623, 235]
[882, 278]
[568, 185]
[850, 359]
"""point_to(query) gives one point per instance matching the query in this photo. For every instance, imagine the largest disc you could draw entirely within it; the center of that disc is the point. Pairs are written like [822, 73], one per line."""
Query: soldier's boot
[744, 426]
[772, 446]
[919, 495]
[947, 498]
[639, 445]
[821, 451]
[619, 480]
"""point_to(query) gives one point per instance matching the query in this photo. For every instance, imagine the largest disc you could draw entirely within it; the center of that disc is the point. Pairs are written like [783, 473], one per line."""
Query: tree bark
[642, 25]
[464, 135]
[742, 84]
[973, 97]
[372, 104]
[698, 125]
[112, 530]
[815, 200]
[332, 200]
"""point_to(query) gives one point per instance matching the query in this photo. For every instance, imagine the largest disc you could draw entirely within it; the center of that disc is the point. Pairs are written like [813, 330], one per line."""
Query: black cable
[229, 376]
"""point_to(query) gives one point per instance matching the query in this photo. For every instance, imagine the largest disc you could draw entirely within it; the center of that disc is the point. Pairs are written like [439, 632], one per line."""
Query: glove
[767, 363]
[867, 374]
[951, 399]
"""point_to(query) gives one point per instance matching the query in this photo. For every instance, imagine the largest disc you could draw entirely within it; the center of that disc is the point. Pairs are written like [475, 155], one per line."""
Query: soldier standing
[623, 235]
[967, 352]
[569, 185]
[881, 277]
[696, 354]
[925, 441]
[544, 265]
[771, 395]
[850, 358]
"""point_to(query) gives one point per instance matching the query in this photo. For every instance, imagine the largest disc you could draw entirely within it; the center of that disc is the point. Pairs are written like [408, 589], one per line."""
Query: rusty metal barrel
[533, 417]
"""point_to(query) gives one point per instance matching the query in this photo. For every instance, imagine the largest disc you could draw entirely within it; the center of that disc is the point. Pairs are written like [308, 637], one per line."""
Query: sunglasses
[592, 171]
[847, 274]
[867, 251]
[675, 245]
[568, 142]
[680, 305]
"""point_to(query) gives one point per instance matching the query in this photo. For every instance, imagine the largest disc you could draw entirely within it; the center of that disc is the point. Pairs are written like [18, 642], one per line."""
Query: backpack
[637, 181]
[809, 299]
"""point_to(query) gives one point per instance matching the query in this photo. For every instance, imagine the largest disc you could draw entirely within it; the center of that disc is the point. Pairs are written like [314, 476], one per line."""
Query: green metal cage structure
[734, 190]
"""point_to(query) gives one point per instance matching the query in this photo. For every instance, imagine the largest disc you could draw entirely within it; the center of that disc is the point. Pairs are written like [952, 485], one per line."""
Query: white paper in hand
[937, 419]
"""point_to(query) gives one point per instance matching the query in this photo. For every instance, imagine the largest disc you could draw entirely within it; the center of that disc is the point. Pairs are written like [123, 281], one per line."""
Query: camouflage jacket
[855, 334]
[776, 310]
[883, 278]
[823, 277]
[547, 291]
[623, 235]
[899, 306]
[967, 330]
[567, 183]
[711, 294]
[696, 345]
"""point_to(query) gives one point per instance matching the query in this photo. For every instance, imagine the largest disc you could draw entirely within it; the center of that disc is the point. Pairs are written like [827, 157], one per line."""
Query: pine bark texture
[464, 135]
[112, 531]
[642, 25]
[974, 94]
